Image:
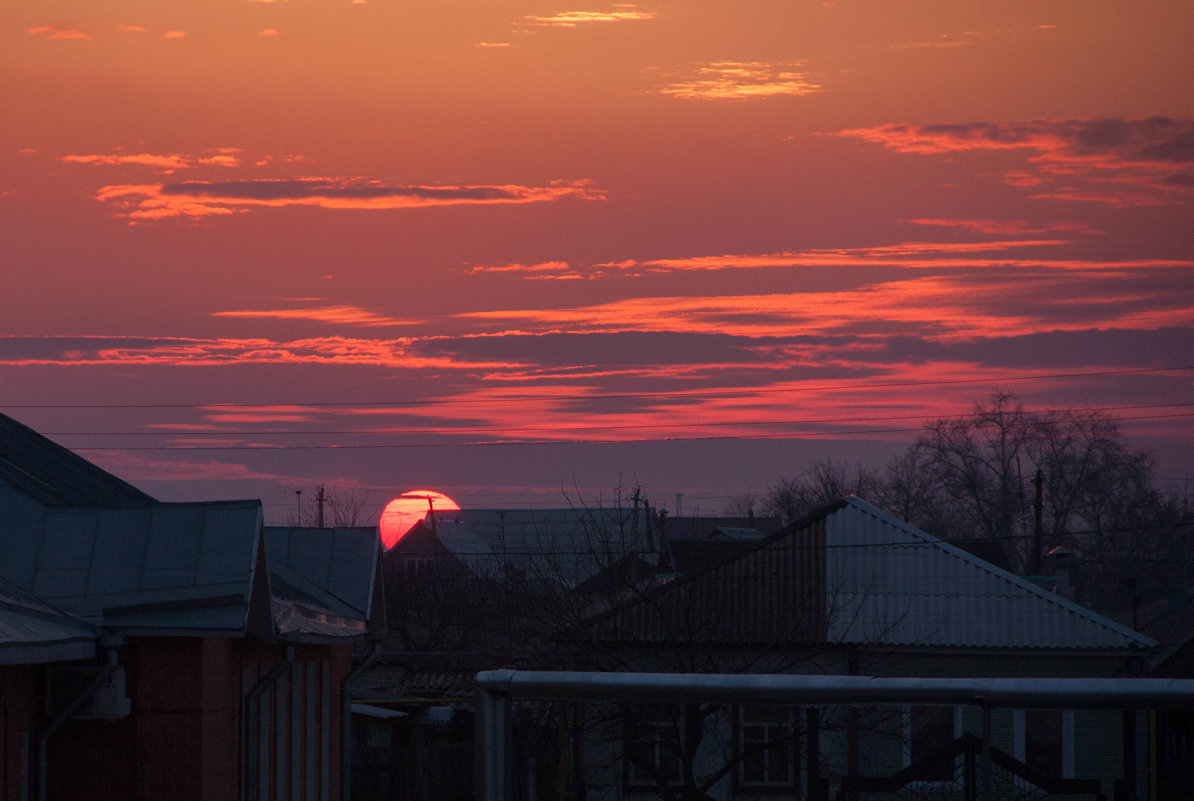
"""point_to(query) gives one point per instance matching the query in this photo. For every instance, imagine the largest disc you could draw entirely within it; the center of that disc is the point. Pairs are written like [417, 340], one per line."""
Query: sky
[524, 251]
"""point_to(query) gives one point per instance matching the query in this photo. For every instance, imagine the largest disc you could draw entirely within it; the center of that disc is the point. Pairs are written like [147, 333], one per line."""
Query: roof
[31, 631]
[853, 574]
[561, 545]
[893, 583]
[322, 580]
[166, 568]
[55, 476]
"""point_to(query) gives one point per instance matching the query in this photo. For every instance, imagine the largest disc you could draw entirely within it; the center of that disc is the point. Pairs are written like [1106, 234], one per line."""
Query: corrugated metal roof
[854, 574]
[562, 545]
[889, 582]
[54, 476]
[162, 567]
[31, 631]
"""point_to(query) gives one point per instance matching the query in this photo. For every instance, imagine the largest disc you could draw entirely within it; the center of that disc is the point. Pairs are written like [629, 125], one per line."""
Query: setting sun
[407, 509]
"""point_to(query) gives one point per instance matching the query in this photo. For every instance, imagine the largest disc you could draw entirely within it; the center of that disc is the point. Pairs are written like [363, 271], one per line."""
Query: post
[491, 723]
[319, 503]
[987, 777]
[1035, 565]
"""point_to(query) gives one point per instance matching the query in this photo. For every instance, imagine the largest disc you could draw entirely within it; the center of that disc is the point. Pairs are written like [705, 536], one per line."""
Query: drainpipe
[110, 645]
[346, 725]
[248, 733]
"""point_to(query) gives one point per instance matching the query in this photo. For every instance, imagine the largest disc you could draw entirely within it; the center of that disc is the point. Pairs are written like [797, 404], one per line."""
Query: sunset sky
[508, 249]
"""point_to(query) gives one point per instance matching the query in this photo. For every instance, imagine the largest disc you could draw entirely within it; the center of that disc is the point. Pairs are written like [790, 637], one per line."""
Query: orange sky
[511, 249]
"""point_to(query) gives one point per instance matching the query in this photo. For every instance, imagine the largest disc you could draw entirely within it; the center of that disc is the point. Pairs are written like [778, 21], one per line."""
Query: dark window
[932, 728]
[767, 746]
[1042, 740]
[653, 747]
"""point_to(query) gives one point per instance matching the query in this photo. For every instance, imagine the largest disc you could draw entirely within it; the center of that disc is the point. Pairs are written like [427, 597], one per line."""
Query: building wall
[186, 735]
[18, 717]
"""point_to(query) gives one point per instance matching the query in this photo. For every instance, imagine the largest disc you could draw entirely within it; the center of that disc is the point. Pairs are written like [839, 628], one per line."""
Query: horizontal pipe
[1018, 693]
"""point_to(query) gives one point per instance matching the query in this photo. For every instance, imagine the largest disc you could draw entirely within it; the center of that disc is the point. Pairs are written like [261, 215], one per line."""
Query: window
[652, 748]
[1043, 740]
[931, 728]
[419, 567]
[766, 746]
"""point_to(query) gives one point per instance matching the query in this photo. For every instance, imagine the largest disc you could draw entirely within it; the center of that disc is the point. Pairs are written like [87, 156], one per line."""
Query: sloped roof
[322, 580]
[563, 545]
[54, 476]
[31, 631]
[166, 568]
[889, 582]
[853, 574]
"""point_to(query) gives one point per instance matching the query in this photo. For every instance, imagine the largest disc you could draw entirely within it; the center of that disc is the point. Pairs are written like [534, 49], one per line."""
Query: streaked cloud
[131, 29]
[740, 80]
[339, 315]
[174, 35]
[59, 34]
[1010, 227]
[144, 202]
[541, 267]
[267, 32]
[571, 19]
[1142, 154]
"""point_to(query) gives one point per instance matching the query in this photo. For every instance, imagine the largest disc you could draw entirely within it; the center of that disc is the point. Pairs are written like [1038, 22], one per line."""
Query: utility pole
[319, 504]
[431, 513]
[298, 502]
[1038, 505]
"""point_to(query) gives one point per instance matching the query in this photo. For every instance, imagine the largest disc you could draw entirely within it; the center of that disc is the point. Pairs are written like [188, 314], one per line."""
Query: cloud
[198, 352]
[340, 315]
[1139, 152]
[573, 19]
[203, 198]
[174, 35]
[267, 32]
[740, 80]
[541, 267]
[493, 44]
[1010, 227]
[219, 156]
[131, 29]
[59, 34]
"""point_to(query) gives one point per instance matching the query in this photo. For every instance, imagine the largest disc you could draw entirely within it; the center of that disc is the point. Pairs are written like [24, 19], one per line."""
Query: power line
[723, 392]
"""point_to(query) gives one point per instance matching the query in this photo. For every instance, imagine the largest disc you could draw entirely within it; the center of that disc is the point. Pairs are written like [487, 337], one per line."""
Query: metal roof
[161, 568]
[889, 582]
[31, 631]
[321, 580]
[562, 545]
[853, 574]
[54, 476]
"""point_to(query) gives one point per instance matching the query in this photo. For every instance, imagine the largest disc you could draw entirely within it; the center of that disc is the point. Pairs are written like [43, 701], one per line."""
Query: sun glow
[401, 514]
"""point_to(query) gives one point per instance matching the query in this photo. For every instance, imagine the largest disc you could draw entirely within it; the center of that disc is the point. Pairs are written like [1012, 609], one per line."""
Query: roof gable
[56, 477]
[853, 574]
[166, 568]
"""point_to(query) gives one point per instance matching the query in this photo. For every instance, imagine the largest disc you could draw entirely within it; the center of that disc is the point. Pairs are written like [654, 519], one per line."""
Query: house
[853, 590]
[180, 650]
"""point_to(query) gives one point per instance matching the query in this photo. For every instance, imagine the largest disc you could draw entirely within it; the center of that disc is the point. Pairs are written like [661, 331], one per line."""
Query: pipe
[1019, 693]
[47, 731]
[346, 724]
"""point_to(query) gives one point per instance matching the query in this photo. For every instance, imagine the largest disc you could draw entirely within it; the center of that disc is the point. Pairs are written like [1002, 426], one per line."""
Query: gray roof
[166, 568]
[31, 631]
[322, 580]
[889, 582]
[561, 545]
[54, 476]
[853, 574]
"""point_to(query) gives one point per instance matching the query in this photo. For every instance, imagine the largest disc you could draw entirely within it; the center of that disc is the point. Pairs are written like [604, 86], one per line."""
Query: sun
[409, 508]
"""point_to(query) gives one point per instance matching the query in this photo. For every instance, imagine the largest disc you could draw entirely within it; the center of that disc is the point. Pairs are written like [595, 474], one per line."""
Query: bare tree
[337, 505]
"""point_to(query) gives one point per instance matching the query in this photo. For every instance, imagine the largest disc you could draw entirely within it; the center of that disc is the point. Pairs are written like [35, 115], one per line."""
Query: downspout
[346, 724]
[248, 733]
[110, 646]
